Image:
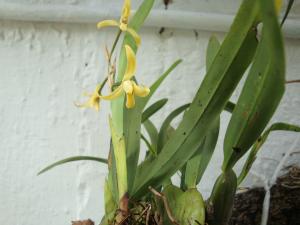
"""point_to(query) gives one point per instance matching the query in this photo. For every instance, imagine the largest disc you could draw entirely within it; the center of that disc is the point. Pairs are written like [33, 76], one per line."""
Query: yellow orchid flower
[123, 24]
[127, 85]
[94, 100]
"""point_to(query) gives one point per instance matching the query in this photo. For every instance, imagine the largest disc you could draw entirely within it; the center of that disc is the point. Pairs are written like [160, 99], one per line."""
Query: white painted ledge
[157, 18]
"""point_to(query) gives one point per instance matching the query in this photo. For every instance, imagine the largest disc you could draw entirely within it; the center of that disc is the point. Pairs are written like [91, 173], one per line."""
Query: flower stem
[114, 45]
[109, 60]
[102, 85]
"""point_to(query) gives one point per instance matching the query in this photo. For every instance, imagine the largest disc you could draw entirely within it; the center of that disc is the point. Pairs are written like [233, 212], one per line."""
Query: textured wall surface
[220, 6]
[44, 69]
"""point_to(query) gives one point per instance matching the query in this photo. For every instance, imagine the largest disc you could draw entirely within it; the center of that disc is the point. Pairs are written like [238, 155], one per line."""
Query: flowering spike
[127, 85]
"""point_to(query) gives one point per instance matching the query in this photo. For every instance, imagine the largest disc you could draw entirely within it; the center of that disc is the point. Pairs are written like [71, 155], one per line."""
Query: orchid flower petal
[135, 36]
[82, 105]
[130, 101]
[96, 106]
[125, 15]
[140, 91]
[107, 23]
[116, 93]
[93, 101]
[131, 63]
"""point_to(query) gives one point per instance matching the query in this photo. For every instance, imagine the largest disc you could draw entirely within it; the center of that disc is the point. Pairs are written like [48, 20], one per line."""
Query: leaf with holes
[261, 93]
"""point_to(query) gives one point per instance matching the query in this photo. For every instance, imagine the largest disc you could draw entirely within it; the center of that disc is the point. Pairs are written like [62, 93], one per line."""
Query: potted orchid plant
[142, 192]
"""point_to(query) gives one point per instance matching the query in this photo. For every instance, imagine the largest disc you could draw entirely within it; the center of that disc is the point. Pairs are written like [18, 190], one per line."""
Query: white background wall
[44, 68]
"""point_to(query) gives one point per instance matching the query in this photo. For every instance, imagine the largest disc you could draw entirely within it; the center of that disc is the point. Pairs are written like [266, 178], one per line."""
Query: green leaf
[164, 130]
[149, 126]
[190, 208]
[211, 52]
[152, 132]
[258, 144]
[203, 155]
[262, 91]
[110, 205]
[158, 82]
[112, 173]
[120, 159]
[222, 197]
[172, 194]
[149, 146]
[152, 109]
[229, 65]
[104, 221]
[72, 159]
[229, 107]
[187, 207]
[196, 166]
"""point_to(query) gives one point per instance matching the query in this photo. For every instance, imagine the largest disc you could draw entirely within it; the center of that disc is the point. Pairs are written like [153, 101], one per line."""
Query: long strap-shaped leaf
[158, 82]
[151, 149]
[259, 142]
[163, 132]
[152, 132]
[261, 93]
[152, 109]
[228, 67]
[120, 159]
[196, 166]
[110, 204]
[72, 159]
[112, 173]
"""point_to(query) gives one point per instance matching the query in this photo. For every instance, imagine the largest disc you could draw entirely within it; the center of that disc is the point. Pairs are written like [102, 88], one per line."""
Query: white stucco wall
[46, 66]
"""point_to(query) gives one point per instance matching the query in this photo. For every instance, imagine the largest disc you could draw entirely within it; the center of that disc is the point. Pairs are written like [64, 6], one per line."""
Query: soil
[247, 210]
[284, 204]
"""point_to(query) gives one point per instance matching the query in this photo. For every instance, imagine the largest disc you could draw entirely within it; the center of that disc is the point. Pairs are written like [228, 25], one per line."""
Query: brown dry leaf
[83, 222]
